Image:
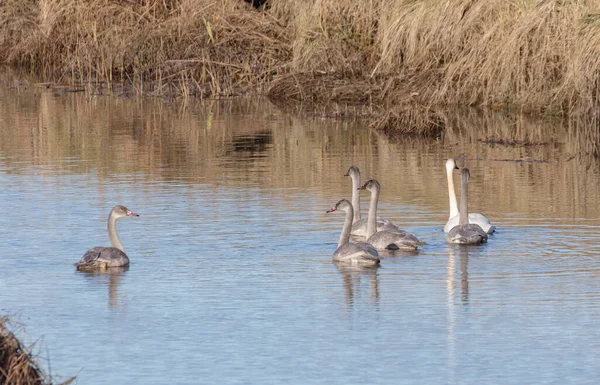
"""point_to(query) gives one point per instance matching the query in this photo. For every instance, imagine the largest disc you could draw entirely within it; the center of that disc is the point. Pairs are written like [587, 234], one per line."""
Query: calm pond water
[231, 280]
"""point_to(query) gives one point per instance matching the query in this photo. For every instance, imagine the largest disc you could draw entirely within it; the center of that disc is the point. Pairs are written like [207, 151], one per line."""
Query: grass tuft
[18, 366]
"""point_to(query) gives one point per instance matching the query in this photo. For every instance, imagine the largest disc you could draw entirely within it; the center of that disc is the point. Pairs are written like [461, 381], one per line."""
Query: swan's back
[103, 257]
[474, 218]
[359, 253]
[359, 228]
[392, 240]
[470, 234]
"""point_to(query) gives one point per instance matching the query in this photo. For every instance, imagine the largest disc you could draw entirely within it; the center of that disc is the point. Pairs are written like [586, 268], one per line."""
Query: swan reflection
[351, 280]
[111, 277]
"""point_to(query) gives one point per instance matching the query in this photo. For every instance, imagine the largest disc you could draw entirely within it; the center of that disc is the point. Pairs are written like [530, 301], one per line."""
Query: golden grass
[187, 47]
[540, 56]
[17, 364]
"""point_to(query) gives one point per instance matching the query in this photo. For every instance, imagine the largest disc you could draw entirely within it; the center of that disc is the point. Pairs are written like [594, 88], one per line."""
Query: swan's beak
[456, 167]
[346, 174]
[362, 188]
[331, 210]
[132, 214]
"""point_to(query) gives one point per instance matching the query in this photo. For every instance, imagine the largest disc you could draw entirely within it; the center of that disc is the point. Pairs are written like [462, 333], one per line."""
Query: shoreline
[405, 61]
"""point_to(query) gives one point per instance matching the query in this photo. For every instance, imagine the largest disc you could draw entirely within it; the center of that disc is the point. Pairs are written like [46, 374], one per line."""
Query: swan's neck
[452, 194]
[464, 192]
[372, 219]
[112, 233]
[345, 236]
[355, 198]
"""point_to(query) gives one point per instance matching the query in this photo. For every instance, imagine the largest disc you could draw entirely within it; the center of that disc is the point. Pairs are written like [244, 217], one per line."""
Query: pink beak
[132, 214]
[331, 210]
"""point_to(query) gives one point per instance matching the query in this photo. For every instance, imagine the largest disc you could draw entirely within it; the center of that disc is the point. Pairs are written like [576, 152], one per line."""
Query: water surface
[231, 280]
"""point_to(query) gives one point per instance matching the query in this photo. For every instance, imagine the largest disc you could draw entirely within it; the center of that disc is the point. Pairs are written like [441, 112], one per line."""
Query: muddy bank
[406, 59]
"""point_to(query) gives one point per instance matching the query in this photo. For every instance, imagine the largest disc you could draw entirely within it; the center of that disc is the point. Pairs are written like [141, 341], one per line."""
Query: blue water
[231, 280]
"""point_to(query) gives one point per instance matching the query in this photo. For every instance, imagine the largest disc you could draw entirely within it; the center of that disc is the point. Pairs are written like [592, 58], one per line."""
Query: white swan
[359, 253]
[453, 220]
[104, 257]
[359, 226]
[466, 233]
[386, 239]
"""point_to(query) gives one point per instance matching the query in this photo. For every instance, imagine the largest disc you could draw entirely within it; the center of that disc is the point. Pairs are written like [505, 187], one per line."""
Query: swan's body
[359, 253]
[359, 226]
[453, 219]
[474, 218]
[386, 239]
[466, 233]
[104, 257]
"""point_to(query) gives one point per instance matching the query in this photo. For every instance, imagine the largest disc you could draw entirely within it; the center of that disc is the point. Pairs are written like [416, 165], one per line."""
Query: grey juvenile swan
[466, 233]
[476, 218]
[104, 257]
[386, 239]
[359, 226]
[359, 253]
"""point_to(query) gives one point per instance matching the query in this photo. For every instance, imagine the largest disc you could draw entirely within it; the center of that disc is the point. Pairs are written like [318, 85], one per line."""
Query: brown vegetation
[17, 364]
[531, 55]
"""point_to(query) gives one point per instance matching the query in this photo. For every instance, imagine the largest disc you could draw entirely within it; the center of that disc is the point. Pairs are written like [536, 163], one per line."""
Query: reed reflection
[110, 277]
[251, 141]
[352, 278]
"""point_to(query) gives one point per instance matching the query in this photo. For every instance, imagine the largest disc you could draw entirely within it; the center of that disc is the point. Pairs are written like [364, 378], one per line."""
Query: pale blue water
[231, 280]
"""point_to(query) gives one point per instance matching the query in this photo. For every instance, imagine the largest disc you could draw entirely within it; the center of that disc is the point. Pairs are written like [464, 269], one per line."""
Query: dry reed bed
[405, 56]
[17, 365]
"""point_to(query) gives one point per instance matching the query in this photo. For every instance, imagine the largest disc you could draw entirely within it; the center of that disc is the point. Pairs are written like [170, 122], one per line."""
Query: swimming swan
[103, 257]
[359, 253]
[477, 218]
[359, 226]
[466, 233]
[386, 239]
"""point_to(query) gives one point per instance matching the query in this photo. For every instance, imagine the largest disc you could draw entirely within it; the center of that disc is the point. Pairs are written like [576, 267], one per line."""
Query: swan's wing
[470, 234]
[385, 225]
[474, 218]
[359, 252]
[103, 257]
[359, 228]
[452, 222]
[482, 221]
[91, 255]
[394, 240]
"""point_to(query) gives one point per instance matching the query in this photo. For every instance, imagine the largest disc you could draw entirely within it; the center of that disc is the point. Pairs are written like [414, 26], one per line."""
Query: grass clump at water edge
[18, 366]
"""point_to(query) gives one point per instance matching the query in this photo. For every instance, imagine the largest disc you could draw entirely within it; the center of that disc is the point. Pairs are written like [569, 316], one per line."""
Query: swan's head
[451, 165]
[465, 174]
[343, 205]
[371, 185]
[353, 171]
[121, 211]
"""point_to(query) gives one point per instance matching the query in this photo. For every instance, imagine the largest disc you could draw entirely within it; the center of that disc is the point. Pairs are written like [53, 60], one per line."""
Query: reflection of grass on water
[18, 366]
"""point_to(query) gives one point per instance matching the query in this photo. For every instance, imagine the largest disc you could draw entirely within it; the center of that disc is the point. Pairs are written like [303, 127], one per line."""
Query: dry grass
[17, 364]
[539, 56]
[187, 47]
